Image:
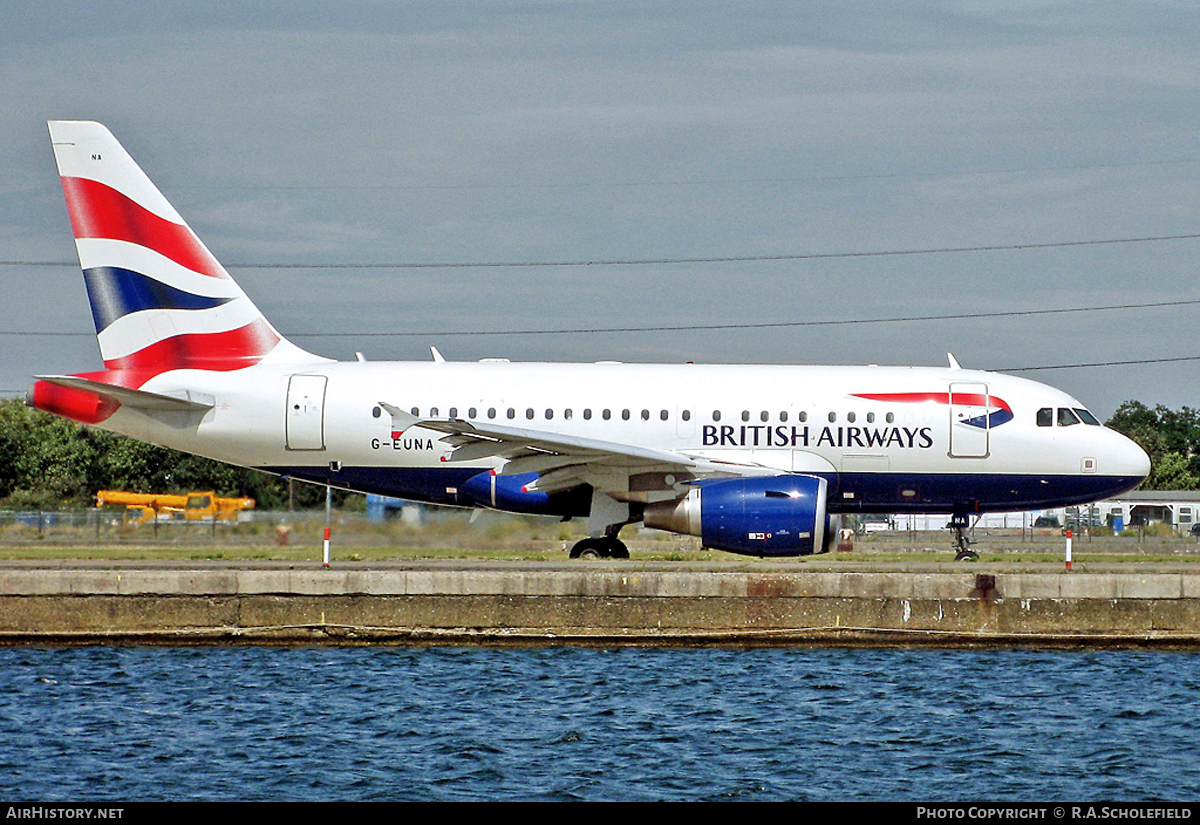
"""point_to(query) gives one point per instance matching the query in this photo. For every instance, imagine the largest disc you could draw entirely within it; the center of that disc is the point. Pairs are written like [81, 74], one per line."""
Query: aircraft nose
[1128, 458]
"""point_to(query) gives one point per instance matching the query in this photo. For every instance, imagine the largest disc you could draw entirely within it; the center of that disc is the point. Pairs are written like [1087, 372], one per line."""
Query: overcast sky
[297, 133]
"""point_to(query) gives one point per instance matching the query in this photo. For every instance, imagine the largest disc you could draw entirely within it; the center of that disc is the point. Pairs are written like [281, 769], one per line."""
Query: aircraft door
[306, 412]
[969, 420]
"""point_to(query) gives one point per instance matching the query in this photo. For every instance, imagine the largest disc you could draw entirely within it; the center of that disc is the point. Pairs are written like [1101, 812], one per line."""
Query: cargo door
[970, 424]
[306, 412]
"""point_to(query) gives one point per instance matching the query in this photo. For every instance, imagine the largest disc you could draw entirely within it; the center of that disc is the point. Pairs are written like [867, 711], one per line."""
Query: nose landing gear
[959, 524]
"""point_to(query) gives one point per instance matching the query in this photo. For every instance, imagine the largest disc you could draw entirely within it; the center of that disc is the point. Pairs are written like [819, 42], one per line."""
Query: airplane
[757, 460]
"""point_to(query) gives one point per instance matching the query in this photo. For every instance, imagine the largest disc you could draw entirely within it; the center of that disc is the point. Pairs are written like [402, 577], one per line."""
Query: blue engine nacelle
[758, 516]
[509, 493]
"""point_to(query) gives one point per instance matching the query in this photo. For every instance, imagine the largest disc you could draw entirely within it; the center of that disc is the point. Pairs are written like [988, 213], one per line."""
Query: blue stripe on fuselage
[992, 421]
[848, 492]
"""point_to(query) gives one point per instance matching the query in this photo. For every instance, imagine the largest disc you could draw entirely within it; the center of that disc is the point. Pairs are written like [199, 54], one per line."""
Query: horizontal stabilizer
[137, 399]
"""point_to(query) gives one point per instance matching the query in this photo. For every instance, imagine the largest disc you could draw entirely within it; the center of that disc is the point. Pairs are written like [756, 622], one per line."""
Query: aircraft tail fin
[159, 298]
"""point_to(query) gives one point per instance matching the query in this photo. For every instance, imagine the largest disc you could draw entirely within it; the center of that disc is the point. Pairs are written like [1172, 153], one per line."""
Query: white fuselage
[908, 451]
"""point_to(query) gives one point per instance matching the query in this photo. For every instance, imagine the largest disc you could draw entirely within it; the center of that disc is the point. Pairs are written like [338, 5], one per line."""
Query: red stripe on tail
[220, 351]
[99, 211]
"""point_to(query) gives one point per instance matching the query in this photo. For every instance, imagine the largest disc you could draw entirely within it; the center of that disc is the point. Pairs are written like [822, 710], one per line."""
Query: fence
[111, 525]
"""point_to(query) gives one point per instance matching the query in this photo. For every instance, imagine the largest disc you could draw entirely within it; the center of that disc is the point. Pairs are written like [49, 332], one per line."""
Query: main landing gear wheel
[601, 548]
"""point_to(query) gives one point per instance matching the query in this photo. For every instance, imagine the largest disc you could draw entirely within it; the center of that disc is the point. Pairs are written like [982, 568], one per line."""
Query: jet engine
[509, 493]
[759, 516]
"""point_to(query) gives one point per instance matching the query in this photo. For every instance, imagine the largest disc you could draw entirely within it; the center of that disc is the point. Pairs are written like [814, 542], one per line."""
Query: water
[245, 723]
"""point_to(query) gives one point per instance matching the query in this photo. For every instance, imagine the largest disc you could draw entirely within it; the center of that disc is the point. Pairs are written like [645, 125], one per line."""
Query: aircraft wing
[565, 461]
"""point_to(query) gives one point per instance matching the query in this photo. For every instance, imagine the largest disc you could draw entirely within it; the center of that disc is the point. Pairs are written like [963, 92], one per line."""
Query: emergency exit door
[306, 412]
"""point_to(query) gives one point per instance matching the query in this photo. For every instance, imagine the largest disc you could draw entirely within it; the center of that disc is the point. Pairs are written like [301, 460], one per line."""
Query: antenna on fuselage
[954, 365]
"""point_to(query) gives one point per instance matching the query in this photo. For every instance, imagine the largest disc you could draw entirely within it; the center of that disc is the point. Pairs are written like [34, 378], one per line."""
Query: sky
[719, 182]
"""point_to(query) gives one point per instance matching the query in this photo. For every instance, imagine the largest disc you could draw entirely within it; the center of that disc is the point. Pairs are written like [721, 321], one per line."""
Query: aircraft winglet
[401, 420]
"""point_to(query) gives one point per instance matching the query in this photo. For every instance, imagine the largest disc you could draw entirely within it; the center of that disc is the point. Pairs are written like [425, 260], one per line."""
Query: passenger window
[664, 415]
[686, 415]
[587, 413]
[850, 417]
[645, 415]
[607, 414]
[783, 416]
[567, 413]
[745, 415]
[454, 412]
[1067, 417]
[870, 418]
[832, 417]
[716, 415]
[624, 415]
[549, 414]
[491, 412]
[1045, 417]
[802, 416]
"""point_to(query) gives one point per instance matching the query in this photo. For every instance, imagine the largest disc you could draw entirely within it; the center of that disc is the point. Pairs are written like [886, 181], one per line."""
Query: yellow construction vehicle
[143, 507]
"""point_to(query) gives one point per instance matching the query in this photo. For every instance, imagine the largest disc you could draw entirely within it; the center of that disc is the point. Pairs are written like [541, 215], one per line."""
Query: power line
[802, 256]
[1090, 365]
[761, 325]
[693, 327]
[715, 259]
[1101, 364]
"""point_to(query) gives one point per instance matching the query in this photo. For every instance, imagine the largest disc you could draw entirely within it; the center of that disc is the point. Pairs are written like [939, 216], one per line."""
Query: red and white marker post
[328, 521]
[1068, 549]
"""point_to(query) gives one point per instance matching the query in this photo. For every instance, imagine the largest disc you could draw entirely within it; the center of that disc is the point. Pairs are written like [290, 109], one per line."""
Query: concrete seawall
[584, 604]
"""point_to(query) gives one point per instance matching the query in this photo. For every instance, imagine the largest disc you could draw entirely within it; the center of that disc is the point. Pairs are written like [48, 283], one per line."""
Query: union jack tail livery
[159, 299]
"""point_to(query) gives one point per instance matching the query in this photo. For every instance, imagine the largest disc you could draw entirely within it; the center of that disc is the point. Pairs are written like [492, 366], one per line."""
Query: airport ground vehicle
[143, 507]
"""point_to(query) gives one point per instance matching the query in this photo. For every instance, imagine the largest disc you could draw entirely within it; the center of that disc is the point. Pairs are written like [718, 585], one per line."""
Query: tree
[1171, 438]
[47, 461]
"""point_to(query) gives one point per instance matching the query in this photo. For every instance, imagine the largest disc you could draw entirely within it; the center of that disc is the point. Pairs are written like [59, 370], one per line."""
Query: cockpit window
[1067, 417]
[1045, 417]
[1087, 417]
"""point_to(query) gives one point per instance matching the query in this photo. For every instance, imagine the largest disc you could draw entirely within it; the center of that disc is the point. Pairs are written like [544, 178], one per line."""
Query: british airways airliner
[758, 460]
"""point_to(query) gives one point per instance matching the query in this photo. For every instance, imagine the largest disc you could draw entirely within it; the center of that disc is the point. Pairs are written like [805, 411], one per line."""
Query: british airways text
[765, 435]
